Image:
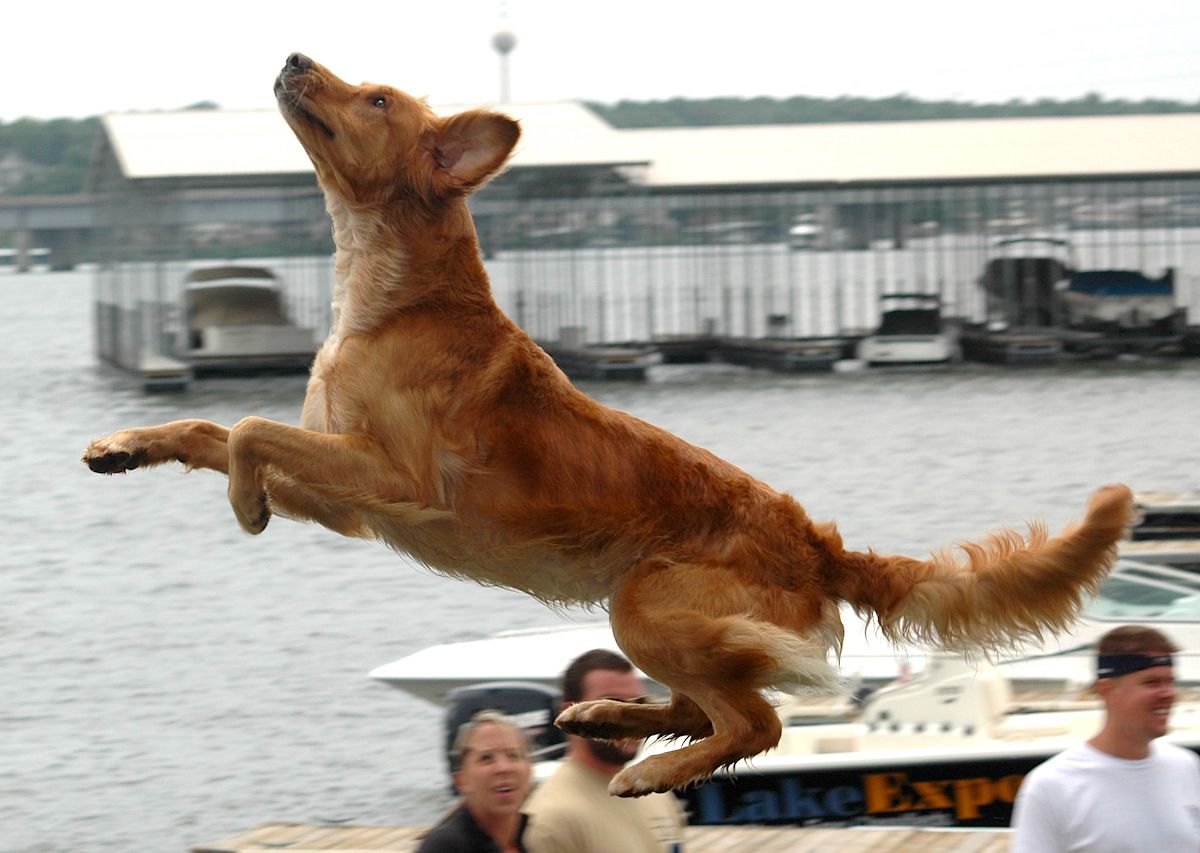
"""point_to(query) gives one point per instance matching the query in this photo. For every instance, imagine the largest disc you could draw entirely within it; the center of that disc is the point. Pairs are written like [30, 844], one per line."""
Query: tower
[504, 41]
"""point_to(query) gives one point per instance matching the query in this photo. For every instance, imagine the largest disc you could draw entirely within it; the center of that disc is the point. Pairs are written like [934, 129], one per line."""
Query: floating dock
[1009, 347]
[162, 373]
[309, 838]
[603, 361]
[784, 355]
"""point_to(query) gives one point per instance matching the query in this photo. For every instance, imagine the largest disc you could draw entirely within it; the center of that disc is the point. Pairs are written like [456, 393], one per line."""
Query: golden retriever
[435, 425]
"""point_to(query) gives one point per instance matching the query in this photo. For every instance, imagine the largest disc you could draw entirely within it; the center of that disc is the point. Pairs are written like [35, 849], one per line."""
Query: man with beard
[1125, 790]
[572, 812]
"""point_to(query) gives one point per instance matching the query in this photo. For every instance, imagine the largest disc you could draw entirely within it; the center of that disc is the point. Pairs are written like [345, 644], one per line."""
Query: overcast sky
[85, 58]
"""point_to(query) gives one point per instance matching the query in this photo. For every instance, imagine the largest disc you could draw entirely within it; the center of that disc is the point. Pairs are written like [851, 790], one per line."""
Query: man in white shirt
[572, 811]
[1125, 790]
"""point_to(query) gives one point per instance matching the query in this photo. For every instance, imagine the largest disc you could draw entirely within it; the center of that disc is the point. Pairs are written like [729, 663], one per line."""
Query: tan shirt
[572, 812]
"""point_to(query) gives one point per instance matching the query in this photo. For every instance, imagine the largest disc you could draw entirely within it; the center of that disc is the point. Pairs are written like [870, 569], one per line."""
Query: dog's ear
[469, 148]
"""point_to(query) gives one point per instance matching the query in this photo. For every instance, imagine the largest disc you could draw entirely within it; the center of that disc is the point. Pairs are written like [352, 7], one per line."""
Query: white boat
[1134, 592]
[1168, 532]
[947, 748]
[235, 318]
[916, 738]
[911, 331]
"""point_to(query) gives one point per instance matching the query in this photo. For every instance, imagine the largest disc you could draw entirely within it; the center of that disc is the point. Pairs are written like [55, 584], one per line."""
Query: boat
[947, 748]
[1021, 281]
[235, 319]
[916, 738]
[1123, 300]
[911, 331]
[1034, 283]
[1168, 532]
[1135, 591]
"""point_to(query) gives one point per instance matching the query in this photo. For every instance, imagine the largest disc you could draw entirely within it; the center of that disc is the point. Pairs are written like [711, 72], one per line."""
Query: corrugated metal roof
[211, 143]
[208, 143]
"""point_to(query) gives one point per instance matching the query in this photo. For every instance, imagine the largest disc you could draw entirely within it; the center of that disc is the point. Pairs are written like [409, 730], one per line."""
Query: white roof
[922, 150]
[259, 142]
[219, 142]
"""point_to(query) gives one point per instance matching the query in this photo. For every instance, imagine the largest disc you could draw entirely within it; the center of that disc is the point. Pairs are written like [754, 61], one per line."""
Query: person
[492, 774]
[572, 811]
[1125, 789]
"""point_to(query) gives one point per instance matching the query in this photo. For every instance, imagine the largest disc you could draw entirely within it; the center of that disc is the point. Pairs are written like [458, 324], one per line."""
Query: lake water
[167, 679]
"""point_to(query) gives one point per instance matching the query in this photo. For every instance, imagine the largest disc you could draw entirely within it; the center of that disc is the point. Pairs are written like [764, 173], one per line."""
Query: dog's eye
[379, 101]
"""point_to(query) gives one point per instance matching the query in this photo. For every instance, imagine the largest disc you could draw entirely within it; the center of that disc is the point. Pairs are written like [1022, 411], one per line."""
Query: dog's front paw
[113, 455]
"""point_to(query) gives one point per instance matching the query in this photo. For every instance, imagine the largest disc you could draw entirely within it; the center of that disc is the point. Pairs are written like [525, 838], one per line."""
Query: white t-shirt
[1086, 800]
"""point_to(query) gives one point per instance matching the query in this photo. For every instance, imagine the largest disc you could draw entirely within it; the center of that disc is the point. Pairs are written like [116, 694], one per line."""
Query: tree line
[710, 112]
[53, 155]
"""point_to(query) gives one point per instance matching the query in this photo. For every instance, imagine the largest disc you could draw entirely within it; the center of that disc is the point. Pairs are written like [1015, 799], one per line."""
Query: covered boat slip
[308, 838]
[635, 236]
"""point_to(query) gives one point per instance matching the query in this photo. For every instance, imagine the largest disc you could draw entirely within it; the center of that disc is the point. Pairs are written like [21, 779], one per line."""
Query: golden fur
[435, 425]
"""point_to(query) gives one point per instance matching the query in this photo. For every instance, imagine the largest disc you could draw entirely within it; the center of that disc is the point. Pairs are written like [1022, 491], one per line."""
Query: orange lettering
[933, 795]
[970, 794]
[885, 792]
[1006, 788]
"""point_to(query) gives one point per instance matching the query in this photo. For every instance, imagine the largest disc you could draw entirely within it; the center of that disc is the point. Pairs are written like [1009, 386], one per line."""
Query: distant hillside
[684, 112]
[52, 156]
[46, 156]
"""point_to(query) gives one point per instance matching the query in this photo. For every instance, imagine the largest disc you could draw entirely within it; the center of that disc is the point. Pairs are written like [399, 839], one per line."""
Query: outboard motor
[531, 706]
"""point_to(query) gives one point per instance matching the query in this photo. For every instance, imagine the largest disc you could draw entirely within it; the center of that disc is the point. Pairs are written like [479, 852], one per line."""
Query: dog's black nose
[297, 62]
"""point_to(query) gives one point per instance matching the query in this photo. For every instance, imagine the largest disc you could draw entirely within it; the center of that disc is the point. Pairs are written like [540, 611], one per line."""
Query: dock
[783, 355]
[603, 361]
[309, 838]
[162, 373]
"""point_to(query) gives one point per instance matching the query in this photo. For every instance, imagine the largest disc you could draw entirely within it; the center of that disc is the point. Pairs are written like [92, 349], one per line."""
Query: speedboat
[1126, 300]
[915, 738]
[235, 318]
[1134, 592]
[911, 331]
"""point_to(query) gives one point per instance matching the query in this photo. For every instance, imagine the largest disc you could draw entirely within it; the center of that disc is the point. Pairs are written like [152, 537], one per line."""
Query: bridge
[65, 223]
[56, 222]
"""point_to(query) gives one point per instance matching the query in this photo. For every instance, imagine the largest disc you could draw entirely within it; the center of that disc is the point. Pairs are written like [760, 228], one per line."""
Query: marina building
[637, 235]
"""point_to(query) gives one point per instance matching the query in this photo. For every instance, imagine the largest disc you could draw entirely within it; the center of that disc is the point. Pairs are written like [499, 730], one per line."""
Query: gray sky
[77, 58]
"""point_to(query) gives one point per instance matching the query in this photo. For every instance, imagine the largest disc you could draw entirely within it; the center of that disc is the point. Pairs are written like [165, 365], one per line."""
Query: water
[168, 680]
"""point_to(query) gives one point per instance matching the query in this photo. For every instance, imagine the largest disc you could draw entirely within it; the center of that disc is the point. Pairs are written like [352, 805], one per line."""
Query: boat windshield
[1140, 591]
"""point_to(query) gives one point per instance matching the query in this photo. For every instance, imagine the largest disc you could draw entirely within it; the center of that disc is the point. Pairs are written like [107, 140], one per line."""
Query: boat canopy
[233, 296]
[1121, 283]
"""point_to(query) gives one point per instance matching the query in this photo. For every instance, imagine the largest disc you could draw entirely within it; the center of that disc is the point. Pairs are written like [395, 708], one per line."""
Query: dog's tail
[1008, 590]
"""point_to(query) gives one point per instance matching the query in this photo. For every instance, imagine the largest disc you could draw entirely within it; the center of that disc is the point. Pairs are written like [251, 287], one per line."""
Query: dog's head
[375, 144]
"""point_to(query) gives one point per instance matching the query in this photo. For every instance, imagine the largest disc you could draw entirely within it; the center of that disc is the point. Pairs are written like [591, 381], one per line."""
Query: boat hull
[909, 349]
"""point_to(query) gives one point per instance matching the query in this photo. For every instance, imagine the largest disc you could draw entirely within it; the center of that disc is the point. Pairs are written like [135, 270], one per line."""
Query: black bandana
[1111, 666]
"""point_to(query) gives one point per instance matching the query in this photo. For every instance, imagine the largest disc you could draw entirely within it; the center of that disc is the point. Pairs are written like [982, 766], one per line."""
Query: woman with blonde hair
[492, 773]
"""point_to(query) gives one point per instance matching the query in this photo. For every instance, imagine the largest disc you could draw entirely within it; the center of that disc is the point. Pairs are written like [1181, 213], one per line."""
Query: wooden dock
[309, 838]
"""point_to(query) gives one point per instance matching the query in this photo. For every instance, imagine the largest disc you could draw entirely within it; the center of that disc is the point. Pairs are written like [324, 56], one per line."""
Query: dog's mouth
[290, 87]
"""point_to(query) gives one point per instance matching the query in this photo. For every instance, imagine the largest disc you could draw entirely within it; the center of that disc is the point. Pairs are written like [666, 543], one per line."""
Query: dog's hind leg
[609, 719]
[706, 634]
